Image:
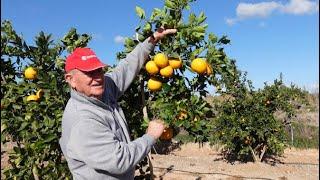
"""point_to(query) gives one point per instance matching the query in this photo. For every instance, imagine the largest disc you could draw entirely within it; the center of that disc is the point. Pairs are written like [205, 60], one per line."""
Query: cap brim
[92, 67]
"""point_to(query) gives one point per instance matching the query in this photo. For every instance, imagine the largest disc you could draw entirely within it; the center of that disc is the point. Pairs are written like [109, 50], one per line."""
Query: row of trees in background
[243, 120]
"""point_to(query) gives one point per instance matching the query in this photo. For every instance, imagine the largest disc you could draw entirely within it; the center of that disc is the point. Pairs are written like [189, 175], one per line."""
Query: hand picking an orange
[167, 134]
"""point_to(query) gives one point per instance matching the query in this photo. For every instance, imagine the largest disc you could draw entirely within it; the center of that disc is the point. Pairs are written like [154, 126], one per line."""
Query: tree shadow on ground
[233, 159]
[165, 147]
[199, 175]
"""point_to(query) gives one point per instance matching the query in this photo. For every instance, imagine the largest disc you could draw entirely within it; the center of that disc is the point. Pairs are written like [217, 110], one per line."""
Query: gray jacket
[95, 138]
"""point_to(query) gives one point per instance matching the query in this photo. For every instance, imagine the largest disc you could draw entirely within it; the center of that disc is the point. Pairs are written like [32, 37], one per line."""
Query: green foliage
[178, 92]
[34, 126]
[246, 120]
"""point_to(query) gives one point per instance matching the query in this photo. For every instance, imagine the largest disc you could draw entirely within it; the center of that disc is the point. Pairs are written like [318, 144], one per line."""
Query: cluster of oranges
[30, 73]
[161, 63]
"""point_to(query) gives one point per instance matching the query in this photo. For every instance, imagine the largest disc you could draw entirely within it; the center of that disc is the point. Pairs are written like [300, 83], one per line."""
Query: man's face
[89, 83]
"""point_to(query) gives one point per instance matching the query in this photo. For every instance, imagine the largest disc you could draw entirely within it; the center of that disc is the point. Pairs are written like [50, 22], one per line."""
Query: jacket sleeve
[127, 69]
[100, 148]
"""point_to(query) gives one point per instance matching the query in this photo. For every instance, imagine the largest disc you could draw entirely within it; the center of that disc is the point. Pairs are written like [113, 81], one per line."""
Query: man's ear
[70, 79]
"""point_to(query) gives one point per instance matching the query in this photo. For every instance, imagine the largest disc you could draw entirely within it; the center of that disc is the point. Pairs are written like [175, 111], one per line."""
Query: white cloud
[265, 9]
[300, 7]
[119, 39]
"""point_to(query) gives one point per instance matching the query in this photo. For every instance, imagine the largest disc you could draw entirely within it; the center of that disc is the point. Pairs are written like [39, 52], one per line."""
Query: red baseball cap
[83, 59]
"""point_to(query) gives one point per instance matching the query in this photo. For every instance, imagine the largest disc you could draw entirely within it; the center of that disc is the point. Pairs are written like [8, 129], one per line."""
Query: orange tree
[247, 123]
[176, 94]
[33, 96]
[244, 122]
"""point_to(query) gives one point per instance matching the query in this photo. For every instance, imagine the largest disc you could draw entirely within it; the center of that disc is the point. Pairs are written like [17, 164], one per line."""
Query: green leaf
[198, 34]
[224, 40]
[201, 18]
[200, 29]
[147, 27]
[49, 138]
[169, 4]
[196, 52]
[166, 87]
[129, 42]
[192, 18]
[23, 126]
[156, 12]
[140, 12]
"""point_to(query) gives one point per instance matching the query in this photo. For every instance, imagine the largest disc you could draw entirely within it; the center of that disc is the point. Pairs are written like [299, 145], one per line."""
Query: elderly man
[95, 138]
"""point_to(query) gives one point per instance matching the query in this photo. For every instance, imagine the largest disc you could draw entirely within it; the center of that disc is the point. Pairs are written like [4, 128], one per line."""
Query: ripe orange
[175, 63]
[209, 69]
[154, 84]
[166, 71]
[161, 60]
[199, 65]
[30, 73]
[40, 93]
[32, 97]
[167, 134]
[152, 68]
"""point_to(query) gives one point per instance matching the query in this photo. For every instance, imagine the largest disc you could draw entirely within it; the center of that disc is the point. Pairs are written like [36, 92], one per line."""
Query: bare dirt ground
[189, 162]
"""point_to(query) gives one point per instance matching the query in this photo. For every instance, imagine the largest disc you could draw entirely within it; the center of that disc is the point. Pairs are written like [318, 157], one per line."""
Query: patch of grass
[304, 136]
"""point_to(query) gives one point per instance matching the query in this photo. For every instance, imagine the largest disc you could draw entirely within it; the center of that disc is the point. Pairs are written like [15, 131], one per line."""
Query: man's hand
[160, 33]
[155, 128]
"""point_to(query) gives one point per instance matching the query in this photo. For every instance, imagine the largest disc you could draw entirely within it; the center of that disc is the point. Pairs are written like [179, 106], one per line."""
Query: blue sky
[267, 37]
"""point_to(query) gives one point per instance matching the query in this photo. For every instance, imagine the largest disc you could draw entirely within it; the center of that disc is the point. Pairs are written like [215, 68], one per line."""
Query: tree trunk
[255, 158]
[258, 154]
[262, 152]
